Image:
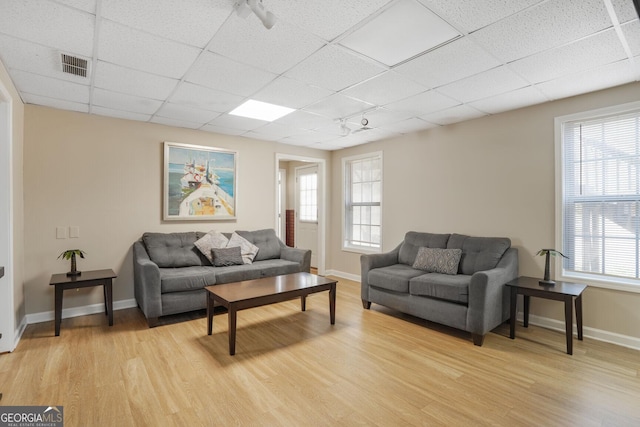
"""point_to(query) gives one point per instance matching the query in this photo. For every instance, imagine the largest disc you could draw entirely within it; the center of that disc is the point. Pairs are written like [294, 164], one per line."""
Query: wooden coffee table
[268, 290]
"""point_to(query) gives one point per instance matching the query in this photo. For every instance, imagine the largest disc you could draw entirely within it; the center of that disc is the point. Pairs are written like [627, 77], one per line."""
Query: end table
[562, 291]
[86, 279]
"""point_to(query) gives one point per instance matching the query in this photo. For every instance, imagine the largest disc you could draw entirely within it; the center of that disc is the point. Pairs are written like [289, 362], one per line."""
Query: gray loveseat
[170, 273]
[474, 298]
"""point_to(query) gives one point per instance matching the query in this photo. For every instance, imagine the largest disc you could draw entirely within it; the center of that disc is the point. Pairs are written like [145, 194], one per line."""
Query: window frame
[596, 280]
[346, 182]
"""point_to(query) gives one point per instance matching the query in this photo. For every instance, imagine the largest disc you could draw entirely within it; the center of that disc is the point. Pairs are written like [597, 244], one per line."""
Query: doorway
[7, 314]
[306, 217]
[291, 163]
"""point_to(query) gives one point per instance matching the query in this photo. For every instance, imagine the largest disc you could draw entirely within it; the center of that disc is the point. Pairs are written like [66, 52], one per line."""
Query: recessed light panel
[401, 32]
[261, 110]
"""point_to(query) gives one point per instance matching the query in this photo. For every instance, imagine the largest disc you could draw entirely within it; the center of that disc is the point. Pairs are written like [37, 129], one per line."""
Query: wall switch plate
[74, 232]
[61, 232]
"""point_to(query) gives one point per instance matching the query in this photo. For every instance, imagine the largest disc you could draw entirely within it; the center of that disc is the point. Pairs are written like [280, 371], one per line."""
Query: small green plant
[546, 253]
[71, 254]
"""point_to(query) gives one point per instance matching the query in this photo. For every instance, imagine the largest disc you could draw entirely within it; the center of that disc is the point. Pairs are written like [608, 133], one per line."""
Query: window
[308, 183]
[363, 203]
[600, 198]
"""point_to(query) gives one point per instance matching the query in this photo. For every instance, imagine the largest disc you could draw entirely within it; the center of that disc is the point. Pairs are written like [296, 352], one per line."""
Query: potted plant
[71, 254]
[547, 253]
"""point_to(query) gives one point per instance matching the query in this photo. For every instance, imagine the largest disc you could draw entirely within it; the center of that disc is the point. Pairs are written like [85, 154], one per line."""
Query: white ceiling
[188, 63]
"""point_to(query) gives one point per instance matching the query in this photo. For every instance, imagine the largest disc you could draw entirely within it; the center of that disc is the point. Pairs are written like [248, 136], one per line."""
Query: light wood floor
[293, 368]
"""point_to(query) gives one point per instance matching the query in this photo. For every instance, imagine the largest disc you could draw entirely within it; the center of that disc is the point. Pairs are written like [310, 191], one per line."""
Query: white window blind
[601, 196]
[363, 202]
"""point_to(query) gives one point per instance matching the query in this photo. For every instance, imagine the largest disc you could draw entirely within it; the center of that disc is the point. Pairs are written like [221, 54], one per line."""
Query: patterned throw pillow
[211, 240]
[435, 260]
[248, 249]
[223, 257]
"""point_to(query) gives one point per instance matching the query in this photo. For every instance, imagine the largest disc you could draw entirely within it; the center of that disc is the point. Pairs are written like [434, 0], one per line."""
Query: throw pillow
[436, 260]
[211, 240]
[223, 257]
[248, 249]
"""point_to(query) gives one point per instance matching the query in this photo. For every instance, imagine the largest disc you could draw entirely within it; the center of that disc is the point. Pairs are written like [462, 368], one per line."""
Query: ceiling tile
[545, 26]
[631, 33]
[51, 88]
[381, 117]
[193, 22]
[125, 80]
[591, 52]
[119, 114]
[423, 103]
[55, 103]
[217, 72]
[275, 50]
[35, 58]
[334, 68]
[338, 106]
[305, 120]
[120, 101]
[187, 114]
[145, 52]
[625, 11]
[472, 15]
[50, 24]
[385, 88]
[275, 131]
[382, 39]
[510, 101]
[484, 85]
[175, 122]
[291, 93]
[221, 129]
[454, 61]
[453, 115]
[310, 137]
[328, 18]
[588, 81]
[196, 96]
[84, 5]
[410, 125]
[236, 122]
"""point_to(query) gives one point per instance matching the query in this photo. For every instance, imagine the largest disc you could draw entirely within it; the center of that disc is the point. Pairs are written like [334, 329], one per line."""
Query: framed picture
[199, 182]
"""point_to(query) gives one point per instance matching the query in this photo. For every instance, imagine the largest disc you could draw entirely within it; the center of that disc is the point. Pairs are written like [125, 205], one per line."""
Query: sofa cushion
[441, 286]
[186, 278]
[172, 249]
[247, 249]
[436, 260]
[393, 278]
[414, 240]
[478, 253]
[211, 240]
[267, 242]
[223, 257]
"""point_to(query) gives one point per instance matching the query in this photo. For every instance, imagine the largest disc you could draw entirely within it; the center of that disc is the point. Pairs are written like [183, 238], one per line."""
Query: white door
[7, 314]
[282, 205]
[306, 229]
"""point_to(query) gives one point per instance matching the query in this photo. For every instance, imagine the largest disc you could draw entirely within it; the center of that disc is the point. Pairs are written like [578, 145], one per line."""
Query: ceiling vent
[74, 65]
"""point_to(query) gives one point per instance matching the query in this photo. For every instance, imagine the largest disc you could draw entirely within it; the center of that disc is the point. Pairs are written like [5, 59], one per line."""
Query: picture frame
[200, 183]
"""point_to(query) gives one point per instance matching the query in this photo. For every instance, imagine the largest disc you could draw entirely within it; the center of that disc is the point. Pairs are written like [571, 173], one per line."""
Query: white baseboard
[348, 276]
[79, 311]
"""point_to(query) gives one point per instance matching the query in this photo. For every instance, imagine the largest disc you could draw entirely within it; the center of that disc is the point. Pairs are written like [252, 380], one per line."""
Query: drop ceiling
[405, 65]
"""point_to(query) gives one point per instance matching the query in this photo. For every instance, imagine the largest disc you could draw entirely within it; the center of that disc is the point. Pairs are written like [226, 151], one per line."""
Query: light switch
[61, 232]
[74, 232]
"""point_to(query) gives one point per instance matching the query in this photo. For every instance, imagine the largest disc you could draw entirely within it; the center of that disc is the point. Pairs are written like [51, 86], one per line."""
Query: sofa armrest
[370, 261]
[146, 282]
[301, 256]
[488, 295]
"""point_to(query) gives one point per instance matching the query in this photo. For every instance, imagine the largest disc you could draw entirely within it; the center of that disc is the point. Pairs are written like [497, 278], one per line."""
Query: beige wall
[105, 176]
[493, 176]
[17, 204]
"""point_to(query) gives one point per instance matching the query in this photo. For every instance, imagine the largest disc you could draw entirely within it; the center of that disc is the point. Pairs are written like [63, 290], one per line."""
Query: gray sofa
[474, 298]
[170, 273]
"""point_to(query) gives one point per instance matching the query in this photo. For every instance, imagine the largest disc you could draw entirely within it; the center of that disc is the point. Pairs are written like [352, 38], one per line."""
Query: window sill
[360, 250]
[597, 282]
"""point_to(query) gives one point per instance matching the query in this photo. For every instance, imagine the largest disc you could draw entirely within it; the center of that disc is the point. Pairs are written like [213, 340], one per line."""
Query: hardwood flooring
[291, 368]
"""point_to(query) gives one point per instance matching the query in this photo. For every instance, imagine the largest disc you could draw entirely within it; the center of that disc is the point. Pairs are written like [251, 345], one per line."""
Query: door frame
[7, 314]
[296, 204]
[322, 200]
[281, 205]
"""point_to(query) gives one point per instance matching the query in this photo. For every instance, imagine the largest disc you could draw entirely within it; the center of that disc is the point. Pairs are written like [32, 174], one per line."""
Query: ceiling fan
[346, 130]
[365, 125]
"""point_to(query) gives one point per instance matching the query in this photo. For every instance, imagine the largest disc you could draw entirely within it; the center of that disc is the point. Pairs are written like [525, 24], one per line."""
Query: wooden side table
[63, 282]
[562, 291]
